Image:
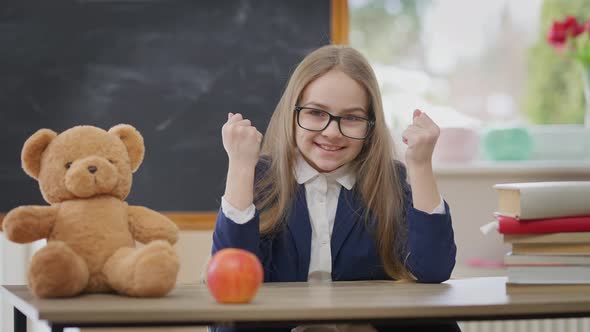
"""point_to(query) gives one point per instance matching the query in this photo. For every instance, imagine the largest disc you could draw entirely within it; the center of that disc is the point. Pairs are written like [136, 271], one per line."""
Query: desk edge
[18, 303]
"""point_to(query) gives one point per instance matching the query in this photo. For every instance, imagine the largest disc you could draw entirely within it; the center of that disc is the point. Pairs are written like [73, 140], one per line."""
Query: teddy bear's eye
[111, 161]
[68, 164]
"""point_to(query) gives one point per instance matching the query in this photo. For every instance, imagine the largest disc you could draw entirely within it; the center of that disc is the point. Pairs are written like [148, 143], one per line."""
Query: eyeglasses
[351, 126]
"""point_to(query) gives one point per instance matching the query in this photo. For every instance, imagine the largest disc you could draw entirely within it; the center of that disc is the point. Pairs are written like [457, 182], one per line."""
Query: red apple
[234, 276]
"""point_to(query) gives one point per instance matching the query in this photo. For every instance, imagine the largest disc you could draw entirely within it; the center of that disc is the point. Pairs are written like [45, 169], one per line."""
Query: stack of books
[548, 227]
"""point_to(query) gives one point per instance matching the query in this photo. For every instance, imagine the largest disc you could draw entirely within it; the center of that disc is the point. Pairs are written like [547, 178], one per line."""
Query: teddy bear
[85, 174]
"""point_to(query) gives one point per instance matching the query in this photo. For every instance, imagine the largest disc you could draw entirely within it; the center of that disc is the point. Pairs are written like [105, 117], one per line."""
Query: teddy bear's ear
[133, 141]
[33, 150]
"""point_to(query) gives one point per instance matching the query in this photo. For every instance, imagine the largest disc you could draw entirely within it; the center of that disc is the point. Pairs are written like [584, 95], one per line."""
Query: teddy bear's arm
[29, 223]
[147, 225]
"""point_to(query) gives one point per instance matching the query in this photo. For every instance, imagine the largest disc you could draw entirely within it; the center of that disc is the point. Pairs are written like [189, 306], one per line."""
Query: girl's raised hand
[420, 137]
[241, 140]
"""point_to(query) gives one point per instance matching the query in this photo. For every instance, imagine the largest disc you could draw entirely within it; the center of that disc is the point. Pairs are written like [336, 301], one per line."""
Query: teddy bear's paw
[26, 224]
[15, 224]
[57, 271]
[156, 269]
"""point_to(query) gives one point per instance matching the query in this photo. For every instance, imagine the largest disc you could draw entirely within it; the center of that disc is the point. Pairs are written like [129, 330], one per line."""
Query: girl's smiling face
[338, 94]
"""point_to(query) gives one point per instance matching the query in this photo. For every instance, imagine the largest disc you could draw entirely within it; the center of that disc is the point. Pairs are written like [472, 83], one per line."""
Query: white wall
[12, 272]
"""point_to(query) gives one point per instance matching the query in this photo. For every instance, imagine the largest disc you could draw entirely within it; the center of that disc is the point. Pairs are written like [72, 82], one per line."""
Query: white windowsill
[528, 167]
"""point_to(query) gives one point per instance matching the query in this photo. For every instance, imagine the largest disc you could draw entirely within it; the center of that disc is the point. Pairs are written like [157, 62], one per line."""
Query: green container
[507, 144]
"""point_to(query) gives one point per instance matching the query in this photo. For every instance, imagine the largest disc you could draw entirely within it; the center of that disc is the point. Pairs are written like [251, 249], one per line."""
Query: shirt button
[324, 242]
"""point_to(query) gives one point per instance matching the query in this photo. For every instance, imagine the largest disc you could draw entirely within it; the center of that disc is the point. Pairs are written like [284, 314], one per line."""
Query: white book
[512, 259]
[548, 274]
[541, 200]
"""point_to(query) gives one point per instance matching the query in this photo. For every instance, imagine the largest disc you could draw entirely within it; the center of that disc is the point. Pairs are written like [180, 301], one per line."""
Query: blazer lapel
[347, 215]
[300, 228]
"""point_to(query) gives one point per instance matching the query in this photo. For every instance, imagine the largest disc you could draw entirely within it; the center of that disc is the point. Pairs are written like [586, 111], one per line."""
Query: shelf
[529, 167]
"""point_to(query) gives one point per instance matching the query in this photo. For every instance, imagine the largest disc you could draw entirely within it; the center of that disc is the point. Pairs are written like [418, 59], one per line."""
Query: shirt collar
[305, 173]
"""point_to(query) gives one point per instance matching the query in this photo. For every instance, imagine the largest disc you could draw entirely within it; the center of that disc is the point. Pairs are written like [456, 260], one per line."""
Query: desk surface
[463, 299]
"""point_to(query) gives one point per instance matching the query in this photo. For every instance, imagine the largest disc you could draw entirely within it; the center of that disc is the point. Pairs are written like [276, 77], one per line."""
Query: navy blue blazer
[285, 256]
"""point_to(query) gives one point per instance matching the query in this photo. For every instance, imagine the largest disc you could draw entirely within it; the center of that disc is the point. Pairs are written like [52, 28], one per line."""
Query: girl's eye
[68, 165]
[316, 113]
[351, 118]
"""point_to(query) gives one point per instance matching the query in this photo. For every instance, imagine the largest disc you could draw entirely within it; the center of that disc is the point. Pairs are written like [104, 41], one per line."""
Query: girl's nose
[332, 129]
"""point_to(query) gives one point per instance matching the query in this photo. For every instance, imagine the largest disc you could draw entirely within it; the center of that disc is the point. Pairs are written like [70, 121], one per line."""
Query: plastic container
[514, 143]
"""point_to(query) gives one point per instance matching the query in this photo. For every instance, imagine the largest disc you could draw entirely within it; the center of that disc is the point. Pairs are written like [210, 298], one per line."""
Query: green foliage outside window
[384, 34]
[554, 88]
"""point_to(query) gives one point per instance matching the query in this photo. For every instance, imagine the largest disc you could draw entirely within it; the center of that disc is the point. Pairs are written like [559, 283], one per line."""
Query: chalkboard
[173, 69]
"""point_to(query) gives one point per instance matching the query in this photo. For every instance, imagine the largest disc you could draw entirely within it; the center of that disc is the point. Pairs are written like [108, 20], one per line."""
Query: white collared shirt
[322, 191]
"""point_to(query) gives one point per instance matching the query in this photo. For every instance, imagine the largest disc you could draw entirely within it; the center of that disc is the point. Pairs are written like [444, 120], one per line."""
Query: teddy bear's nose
[92, 169]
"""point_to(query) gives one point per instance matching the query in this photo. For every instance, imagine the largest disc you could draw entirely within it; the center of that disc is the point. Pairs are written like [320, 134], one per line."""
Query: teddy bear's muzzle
[91, 176]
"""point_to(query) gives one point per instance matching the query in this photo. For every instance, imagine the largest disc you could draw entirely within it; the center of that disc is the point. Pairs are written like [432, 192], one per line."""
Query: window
[473, 64]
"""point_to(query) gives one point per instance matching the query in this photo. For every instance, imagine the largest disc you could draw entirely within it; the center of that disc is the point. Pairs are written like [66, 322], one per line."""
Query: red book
[511, 225]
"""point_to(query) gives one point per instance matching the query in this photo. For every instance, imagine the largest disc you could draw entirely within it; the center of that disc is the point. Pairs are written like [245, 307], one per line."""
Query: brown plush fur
[85, 173]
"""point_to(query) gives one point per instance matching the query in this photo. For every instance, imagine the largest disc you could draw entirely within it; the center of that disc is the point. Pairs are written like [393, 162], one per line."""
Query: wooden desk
[298, 303]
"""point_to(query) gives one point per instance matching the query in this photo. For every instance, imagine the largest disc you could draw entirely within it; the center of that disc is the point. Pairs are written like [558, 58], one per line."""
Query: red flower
[561, 31]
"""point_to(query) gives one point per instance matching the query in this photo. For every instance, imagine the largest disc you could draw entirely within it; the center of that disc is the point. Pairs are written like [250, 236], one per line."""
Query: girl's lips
[329, 147]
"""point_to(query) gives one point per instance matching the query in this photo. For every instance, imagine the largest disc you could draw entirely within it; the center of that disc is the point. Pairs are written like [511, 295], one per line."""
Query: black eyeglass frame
[336, 118]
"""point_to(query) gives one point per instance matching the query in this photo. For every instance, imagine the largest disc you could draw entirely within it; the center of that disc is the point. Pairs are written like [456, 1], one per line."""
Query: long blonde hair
[377, 176]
